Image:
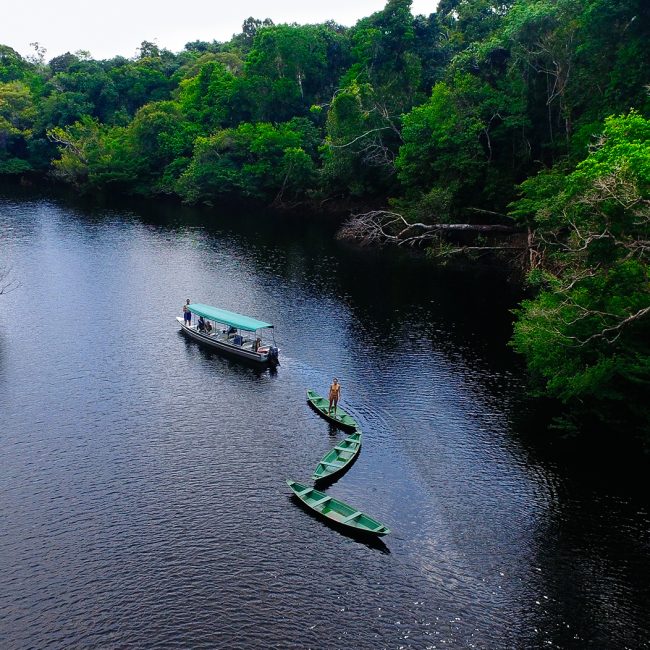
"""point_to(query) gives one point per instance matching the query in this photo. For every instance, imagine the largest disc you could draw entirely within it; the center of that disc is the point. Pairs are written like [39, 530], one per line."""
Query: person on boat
[256, 344]
[335, 395]
[208, 327]
[201, 324]
[187, 314]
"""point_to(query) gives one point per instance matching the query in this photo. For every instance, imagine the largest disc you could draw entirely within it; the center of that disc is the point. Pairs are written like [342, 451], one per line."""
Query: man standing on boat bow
[335, 394]
[187, 314]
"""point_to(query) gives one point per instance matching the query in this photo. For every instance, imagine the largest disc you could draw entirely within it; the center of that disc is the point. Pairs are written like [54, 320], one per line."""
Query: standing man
[335, 394]
[187, 314]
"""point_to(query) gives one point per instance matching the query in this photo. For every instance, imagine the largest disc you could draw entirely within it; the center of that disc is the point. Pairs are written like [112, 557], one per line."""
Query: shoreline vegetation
[517, 131]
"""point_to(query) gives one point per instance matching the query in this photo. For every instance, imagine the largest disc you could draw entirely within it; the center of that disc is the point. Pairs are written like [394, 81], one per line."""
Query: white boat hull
[220, 341]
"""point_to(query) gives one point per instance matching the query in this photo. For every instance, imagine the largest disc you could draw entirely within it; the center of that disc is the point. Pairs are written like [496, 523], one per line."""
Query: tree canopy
[534, 112]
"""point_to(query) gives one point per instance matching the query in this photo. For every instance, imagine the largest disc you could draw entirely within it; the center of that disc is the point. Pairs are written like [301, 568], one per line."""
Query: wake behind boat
[229, 332]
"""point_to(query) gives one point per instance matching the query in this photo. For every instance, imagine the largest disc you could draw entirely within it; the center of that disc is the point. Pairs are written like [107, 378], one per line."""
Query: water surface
[142, 477]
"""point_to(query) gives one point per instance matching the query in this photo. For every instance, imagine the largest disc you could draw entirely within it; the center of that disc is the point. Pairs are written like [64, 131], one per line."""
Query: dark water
[142, 479]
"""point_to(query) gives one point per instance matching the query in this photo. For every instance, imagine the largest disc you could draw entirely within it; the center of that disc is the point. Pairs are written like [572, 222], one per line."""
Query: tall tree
[586, 335]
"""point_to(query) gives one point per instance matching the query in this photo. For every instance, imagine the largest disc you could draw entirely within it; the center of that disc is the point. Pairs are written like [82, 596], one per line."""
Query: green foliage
[361, 142]
[207, 97]
[586, 335]
[256, 161]
[14, 166]
[17, 115]
[12, 66]
[295, 67]
[441, 145]
[384, 56]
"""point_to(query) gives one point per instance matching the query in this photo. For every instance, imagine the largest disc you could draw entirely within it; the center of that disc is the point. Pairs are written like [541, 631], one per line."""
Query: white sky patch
[117, 28]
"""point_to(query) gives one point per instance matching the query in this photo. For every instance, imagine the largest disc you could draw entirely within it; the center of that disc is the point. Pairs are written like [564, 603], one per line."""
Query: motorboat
[232, 333]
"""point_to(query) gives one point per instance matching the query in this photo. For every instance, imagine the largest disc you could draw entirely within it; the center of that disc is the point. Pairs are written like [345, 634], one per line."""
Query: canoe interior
[322, 405]
[336, 510]
[339, 457]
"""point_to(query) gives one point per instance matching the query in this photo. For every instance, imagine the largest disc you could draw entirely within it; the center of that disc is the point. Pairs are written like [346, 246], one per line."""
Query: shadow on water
[333, 431]
[600, 460]
[595, 563]
[367, 539]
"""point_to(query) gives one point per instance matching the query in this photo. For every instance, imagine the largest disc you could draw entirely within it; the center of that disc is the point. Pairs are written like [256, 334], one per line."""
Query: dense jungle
[517, 132]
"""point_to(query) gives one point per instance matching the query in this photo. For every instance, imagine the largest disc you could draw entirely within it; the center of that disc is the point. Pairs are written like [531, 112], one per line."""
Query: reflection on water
[143, 477]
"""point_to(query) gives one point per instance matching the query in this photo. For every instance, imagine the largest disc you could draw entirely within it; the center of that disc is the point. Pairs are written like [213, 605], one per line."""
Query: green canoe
[320, 404]
[337, 511]
[338, 458]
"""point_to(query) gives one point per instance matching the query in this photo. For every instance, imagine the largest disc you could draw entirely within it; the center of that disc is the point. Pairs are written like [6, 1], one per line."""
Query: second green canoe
[338, 458]
[321, 405]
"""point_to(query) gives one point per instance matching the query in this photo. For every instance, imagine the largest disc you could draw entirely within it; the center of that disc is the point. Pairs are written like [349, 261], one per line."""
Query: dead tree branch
[384, 227]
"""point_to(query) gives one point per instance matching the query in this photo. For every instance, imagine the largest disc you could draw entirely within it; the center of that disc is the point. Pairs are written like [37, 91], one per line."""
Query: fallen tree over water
[380, 227]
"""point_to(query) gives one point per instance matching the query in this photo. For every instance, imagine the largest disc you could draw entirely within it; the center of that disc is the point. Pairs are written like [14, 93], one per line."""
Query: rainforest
[514, 131]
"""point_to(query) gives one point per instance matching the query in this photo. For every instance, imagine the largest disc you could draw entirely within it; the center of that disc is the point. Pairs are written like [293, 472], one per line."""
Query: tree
[62, 63]
[303, 63]
[262, 162]
[93, 156]
[251, 26]
[441, 146]
[17, 114]
[361, 142]
[12, 66]
[384, 53]
[161, 138]
[207, 99]
[586, 335]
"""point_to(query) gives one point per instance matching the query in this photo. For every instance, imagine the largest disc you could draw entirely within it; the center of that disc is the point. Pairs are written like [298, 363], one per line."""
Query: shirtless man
[187, 314]
[335, 394]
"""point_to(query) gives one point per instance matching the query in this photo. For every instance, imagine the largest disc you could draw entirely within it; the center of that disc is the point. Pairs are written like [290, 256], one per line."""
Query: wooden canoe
[336, 511]
[321, 405]
[339, 457]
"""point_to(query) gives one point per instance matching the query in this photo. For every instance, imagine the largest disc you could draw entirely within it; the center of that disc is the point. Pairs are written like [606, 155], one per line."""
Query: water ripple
[142, 477]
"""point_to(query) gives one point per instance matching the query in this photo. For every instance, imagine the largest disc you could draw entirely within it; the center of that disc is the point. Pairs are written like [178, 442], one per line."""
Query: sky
[107, 29]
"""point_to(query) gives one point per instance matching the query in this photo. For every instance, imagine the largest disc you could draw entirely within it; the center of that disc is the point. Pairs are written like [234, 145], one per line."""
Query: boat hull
[337, 512]
[321, 405]
[338, 459]
[213, 341]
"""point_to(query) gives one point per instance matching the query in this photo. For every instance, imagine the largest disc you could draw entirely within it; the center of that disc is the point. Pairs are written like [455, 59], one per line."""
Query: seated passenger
[256, 344]
[201, 324]
[208, 327]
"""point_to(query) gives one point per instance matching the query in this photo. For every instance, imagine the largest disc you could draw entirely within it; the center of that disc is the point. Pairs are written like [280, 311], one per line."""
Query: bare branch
[360, 137]
[385, 227]
[616, 328]
[56, 136]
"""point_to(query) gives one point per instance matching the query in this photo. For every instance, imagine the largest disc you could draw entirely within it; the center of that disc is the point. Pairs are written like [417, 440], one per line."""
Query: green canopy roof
[228, 317]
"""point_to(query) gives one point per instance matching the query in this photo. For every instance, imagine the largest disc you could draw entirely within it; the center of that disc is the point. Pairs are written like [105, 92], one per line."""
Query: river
[144, 501]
